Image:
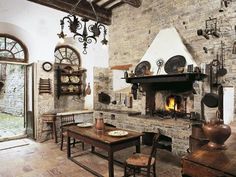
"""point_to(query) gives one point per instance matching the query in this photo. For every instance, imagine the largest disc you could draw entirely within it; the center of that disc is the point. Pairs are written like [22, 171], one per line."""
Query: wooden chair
[137, 161]
[66, 121]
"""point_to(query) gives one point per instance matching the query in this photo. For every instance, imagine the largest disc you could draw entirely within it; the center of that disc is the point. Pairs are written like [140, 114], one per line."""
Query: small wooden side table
[50, 119]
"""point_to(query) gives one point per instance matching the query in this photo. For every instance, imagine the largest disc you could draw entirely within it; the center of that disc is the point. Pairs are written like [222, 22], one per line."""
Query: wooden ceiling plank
[134, 3]
[107, 3]
[96, 1]
[83, 10]
[116, 5]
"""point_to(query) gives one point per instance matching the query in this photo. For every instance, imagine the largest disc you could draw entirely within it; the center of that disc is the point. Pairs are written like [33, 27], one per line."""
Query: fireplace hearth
[169, 104]
[171, 114]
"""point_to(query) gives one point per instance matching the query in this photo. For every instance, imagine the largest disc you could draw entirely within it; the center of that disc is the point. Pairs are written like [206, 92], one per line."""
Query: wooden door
[29, 107]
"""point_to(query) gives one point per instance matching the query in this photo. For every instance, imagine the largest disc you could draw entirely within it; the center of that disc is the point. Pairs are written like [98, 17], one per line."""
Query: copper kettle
[99, 122]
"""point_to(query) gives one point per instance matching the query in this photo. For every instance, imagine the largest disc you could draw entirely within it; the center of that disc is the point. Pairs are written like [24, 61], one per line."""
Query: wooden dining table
[104, 141]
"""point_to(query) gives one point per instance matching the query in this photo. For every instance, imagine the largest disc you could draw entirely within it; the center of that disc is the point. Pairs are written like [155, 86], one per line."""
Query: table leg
[54, 130]
[138, 147]
[68, 147]
[138, 150]
[110, 163]
[92, 148]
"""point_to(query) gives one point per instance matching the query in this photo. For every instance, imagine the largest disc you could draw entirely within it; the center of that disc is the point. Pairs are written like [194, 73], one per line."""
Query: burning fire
[171, 104]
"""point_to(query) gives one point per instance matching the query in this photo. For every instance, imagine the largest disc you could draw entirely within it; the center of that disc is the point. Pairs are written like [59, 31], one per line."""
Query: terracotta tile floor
[46, 160]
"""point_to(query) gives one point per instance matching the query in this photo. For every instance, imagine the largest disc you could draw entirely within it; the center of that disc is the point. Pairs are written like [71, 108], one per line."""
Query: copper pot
[99, 123]
[217, 133]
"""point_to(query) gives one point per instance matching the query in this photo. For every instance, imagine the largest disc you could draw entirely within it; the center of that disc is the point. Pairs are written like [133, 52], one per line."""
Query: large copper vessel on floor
[217, 132]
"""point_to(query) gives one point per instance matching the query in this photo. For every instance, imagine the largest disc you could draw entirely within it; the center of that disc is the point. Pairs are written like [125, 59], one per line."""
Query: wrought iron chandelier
[85, 35]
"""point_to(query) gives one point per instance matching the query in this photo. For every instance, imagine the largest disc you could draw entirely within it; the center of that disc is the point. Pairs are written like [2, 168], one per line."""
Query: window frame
[67, 58]
[22, 45]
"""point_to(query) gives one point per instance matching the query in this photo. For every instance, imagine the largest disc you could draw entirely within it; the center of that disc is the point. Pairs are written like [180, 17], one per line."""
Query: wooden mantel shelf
[176, 82]
[167, 78]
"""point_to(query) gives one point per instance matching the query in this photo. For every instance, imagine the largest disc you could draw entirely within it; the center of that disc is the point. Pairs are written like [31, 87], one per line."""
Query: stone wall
[44, 102]
[12, 93]
[103, 83]
[50, 103]
[133, 30]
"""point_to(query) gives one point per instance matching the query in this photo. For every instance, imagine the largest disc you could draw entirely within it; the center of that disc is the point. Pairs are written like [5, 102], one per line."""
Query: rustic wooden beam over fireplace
[172, 78]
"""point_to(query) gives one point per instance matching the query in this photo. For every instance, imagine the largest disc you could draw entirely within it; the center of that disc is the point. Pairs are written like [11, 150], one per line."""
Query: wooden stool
[50, 119]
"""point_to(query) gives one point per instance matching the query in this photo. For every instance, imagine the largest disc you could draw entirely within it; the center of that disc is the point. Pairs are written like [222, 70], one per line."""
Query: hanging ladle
[222, 71]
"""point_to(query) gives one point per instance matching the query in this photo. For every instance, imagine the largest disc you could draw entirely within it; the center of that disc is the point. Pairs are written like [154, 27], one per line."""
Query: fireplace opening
[164, 142]
[173, 103]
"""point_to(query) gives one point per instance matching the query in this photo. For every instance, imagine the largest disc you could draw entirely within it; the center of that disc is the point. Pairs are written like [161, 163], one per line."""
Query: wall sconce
[211, 29]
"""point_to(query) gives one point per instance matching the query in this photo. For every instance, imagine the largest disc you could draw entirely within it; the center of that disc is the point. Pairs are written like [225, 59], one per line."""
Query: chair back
[67, 120]
[154, 147]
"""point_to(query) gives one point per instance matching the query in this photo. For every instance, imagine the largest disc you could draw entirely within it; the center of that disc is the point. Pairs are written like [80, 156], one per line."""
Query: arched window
[66, 55]
[12, 49]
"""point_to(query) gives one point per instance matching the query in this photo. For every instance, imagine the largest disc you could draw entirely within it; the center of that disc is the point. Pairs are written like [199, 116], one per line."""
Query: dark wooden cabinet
[69, 81]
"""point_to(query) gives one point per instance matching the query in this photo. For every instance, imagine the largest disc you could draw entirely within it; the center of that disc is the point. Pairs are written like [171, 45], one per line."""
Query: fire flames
[171, 104]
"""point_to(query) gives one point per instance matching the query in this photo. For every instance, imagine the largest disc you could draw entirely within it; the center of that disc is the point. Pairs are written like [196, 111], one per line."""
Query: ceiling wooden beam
[116, 5]
[83, 10]
[95, 1]
[107, 3]
[134, 3]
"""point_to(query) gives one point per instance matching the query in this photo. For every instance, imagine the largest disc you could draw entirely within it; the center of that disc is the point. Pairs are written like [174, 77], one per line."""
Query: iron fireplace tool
[234, 44]
[222, 71]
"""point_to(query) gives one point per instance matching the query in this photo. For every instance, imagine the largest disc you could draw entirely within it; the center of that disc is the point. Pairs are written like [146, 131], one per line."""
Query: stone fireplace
[172, 93]
[138, 117]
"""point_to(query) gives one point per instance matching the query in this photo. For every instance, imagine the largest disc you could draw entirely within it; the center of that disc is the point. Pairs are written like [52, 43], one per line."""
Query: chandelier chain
[94, 11]
[72, 11]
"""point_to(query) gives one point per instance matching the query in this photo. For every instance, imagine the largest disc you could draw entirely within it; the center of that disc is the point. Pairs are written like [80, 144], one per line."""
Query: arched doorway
[13, 57]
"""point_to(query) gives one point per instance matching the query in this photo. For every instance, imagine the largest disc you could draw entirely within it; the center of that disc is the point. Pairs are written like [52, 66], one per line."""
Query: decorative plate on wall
[175, 64]
[64, 79]
[142, 68]
[74, 79]
[71, 88]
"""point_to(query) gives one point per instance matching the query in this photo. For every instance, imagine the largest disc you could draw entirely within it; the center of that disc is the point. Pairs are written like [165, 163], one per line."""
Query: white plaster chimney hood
[166, 44]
